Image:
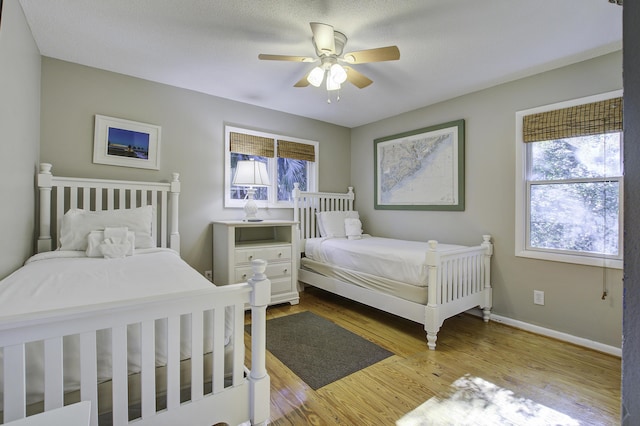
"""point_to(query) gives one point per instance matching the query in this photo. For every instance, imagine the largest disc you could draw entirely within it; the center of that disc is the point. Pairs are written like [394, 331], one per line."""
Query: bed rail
[219, 405]
[59, 194]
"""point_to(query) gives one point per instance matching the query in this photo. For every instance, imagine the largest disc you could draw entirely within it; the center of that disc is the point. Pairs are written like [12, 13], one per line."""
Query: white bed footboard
[245, 397]
[458, 280]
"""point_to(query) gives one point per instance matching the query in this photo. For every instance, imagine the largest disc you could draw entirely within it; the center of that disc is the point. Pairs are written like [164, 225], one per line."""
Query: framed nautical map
[421, 169]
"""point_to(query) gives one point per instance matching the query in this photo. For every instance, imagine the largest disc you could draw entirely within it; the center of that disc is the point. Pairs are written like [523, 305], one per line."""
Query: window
[288, 159]
[569, 194]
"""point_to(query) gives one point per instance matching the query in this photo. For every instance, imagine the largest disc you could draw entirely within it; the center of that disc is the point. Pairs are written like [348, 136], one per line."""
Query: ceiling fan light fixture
[338, 74]
[316, 76]
[332, 84]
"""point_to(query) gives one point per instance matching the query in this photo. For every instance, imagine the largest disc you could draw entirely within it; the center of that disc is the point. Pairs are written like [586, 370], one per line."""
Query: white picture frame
[126, 143]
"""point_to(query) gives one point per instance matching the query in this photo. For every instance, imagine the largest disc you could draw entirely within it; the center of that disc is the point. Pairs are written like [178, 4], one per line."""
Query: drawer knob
[279, 254]
[286, 270]
[251, 257]
[244, 276]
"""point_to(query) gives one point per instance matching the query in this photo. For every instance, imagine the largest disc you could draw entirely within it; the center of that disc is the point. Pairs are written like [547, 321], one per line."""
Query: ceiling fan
[329, 45]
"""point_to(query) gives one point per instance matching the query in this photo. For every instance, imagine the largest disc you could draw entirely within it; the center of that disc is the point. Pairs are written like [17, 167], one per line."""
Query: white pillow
[77, 224]
[353, 228]
[331, 224]
[96, 243]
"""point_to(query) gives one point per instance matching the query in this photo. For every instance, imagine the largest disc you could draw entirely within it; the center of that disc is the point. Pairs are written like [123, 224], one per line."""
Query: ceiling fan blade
[324, 38]
[285, 58]
[357, 79]
[389, 53]
[303, 82]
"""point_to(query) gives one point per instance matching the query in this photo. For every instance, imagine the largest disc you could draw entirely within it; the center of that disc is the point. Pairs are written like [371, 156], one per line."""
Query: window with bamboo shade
[569, 195]
[289, 160]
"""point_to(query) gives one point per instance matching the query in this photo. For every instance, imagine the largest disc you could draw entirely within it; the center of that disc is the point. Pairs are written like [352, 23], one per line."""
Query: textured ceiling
[447, 48]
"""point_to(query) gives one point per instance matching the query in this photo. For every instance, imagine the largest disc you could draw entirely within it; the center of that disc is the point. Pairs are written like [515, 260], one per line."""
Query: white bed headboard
[59, 194]
[307, 204]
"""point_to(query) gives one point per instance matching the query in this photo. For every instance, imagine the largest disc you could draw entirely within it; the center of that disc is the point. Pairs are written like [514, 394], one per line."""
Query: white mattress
[395, 288]
[397, 260]
[63, 279]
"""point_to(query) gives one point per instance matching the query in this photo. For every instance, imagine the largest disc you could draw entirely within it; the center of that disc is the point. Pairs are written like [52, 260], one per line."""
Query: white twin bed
[114, 316]
[425, 282]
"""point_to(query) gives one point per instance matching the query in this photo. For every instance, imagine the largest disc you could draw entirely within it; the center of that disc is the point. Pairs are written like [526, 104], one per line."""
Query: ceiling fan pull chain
[329, 95]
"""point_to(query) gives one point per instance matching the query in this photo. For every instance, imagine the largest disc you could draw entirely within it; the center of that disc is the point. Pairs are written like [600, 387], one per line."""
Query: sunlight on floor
[478, 402]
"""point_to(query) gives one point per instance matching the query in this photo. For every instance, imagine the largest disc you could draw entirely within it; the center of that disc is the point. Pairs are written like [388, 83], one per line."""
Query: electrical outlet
[208, 275]
[538, 297]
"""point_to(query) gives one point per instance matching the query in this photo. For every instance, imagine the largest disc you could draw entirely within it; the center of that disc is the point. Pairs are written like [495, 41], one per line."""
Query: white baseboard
[591, 344]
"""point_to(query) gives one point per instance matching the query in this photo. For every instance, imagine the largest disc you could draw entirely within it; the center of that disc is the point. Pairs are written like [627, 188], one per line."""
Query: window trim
[522, 196]
[272, 165]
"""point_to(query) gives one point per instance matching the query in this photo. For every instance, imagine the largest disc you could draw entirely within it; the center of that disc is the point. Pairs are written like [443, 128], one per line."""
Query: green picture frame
[421, 169]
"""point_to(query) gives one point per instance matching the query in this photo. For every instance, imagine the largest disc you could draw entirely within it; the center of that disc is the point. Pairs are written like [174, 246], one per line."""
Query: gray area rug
[317, 350]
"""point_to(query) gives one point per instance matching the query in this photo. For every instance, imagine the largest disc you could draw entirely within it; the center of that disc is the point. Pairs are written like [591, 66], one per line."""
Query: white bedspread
[398, 260]
[63, 279]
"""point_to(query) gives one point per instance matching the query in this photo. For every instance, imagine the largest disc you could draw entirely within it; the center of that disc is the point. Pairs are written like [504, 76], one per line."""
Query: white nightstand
[237, 243]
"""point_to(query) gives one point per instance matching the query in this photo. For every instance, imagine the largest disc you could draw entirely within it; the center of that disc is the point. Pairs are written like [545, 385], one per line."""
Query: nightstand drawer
[280, 285]
[270, 254]
[274, 271]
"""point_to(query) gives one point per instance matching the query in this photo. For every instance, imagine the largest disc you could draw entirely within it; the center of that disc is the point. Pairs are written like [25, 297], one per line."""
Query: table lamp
[251, 174]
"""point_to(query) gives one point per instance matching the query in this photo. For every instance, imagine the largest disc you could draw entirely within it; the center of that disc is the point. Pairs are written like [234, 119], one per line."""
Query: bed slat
[119, 380]
[73, 197]
[218, 350]
[148, 364]
[197, 389]
[173, 362]
[60, 209]
[238, 341]
[122, 199]
[98, 199]
[53, 374]
[14, 373]
[89, 373]
[163, 219]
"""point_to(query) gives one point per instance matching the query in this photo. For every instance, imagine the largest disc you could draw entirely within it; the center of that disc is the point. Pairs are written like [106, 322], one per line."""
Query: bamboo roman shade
[296, 150]
[580, 120]
[242, 143]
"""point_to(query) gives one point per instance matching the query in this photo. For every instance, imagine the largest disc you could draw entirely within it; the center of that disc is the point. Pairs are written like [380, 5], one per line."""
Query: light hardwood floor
[579, 382]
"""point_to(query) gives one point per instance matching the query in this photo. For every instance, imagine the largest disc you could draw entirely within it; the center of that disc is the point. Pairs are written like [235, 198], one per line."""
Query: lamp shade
[251, 173]
[338, 74]
[316, 76]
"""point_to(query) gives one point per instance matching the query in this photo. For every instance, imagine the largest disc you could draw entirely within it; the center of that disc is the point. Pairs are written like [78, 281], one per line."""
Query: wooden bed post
[432, 318]
[486, 309]
[258, 378]
[174, 237]
[44, 187]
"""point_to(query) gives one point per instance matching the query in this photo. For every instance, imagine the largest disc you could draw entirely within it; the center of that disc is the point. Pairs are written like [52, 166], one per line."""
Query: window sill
[568, 258]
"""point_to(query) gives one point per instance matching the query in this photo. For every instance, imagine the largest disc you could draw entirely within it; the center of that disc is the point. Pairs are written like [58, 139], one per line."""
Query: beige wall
[191, 143]
[19, 136]
[573, 293]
